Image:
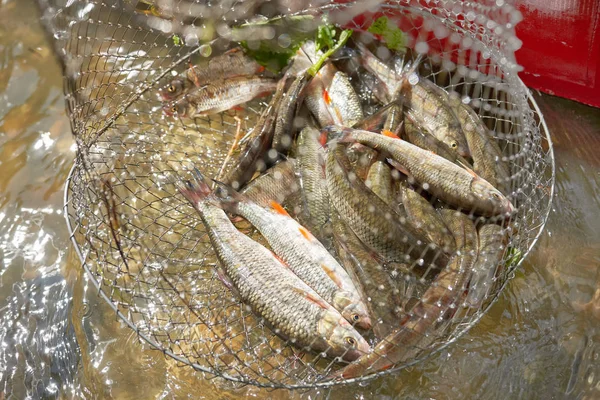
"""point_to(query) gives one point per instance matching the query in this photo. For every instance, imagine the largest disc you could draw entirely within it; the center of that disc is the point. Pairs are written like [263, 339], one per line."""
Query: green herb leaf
[515, 256]
[325, 35]
[274, 42]
[272, 58]
[177, 41]
[344, 36]
[393, 37]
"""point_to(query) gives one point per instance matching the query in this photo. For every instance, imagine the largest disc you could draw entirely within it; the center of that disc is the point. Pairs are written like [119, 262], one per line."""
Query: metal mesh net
[147, 249]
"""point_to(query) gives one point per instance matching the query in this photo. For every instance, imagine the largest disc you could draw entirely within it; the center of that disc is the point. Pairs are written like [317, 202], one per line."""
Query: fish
[218, 96]
[427, 141]
[295, 311]
[390, 78]
[430, 109]
[447, 181]
[428, 318]
[302, 253]
[278, 183]
[492, 243]
[285, 128]
[375, 223]
[486, 154]
[256, 149]
[394, 119]
[331, 98]
[311, 167]
[231, 64]
[379, 180]
[376, 283]
[427, 101]
[421, 214]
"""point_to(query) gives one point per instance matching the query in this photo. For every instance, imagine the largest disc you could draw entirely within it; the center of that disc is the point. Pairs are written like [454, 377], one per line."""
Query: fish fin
[398, 166]
[226, 281]
[326, 97]
[469, 170]
[307, 235]
[196, 189]
[331, 274]
[226, 197]
[390, 134]
[310, 297]
[280, 260]
[337, 134]
[278, 208]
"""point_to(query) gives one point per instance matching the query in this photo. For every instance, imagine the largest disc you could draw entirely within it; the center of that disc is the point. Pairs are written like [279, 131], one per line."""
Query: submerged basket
[147, 250]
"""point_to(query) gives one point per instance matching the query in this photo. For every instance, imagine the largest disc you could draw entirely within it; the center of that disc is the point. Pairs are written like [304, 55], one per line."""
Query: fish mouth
[352, 354]
[364, 323]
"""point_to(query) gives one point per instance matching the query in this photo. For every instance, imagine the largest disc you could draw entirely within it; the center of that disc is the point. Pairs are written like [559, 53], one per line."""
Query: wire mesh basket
[147, 250]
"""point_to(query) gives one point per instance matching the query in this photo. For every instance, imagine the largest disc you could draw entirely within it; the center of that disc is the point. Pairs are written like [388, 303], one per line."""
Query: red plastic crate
[561, 47]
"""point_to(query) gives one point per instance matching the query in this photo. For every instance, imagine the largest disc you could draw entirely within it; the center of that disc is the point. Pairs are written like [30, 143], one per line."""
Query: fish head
[342, 339]
[491, 197]
[176, 108]
[459, 146]
[172, 89]
[354, 310]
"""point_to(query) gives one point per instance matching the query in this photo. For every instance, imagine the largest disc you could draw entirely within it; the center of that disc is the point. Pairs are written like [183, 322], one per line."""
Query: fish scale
[311, 159]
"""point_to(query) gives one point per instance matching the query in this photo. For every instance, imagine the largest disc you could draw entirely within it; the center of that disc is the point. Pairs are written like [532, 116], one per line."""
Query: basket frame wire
[72, 227]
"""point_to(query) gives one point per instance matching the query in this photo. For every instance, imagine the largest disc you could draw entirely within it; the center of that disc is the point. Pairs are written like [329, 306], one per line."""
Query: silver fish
[439, 303]
[303, 254]
[444, 179]
[295, 311]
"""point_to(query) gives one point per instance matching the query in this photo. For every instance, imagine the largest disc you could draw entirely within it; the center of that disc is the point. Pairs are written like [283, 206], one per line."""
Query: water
[59, 340]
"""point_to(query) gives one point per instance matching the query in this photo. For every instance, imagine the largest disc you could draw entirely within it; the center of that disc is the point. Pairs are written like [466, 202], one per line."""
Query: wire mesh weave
[156, 267]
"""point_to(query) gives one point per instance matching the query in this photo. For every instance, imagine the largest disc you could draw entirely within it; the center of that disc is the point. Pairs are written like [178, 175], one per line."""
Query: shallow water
[58, 339]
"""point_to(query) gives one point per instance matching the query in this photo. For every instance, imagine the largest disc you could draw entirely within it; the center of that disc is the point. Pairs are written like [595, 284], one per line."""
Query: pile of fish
[403, 215]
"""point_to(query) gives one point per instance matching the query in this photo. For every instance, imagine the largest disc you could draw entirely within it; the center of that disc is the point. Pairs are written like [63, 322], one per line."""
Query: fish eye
[453, 144]
[171, 88]
[496, 196]
[174, 109]
[355, 317]
[350, 340]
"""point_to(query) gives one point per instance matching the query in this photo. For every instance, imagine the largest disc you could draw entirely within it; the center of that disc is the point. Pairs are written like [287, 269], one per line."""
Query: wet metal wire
[144, 247]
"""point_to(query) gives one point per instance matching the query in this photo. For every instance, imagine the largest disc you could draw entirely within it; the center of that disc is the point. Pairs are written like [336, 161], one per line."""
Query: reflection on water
[59, 339]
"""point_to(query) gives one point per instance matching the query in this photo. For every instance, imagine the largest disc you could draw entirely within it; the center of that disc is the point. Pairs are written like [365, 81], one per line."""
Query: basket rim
[72, 226]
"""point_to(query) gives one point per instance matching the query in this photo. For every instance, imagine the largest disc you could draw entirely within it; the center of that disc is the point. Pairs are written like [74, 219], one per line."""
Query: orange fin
[318, 301]
[331, 273]
[326, 97]
[469, 170]
[260, 69]
[398, 166]
[278, 208]
[307, 235]
[391, 134]
[280, 260]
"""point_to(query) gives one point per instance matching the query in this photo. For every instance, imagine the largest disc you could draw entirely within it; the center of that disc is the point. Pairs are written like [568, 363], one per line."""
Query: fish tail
[335, 134]
[196, 189]
[227, 197]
